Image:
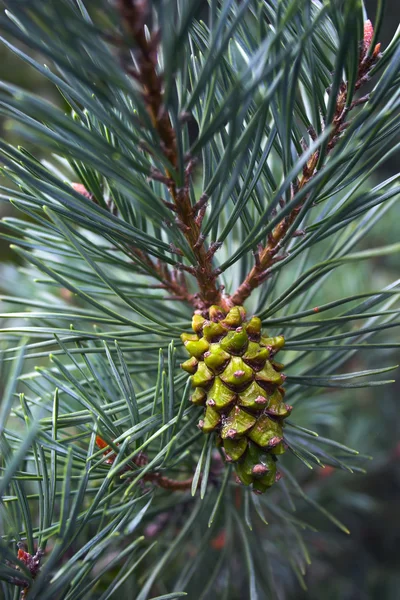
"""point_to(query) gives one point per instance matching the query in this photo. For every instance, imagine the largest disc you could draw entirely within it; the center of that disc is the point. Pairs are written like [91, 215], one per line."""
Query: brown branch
[266, 257]
[171, 281]
[173, 485]
[134, 15]
[141, 460]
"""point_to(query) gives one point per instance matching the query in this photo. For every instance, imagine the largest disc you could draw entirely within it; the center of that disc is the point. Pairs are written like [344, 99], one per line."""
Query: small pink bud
[368, 34]
[78, 187]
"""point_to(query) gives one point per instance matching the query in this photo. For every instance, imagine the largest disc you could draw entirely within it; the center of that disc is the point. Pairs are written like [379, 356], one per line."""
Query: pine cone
[239, 384]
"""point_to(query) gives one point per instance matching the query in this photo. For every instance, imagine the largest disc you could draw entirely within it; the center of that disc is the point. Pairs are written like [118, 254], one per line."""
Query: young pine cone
[235, 377]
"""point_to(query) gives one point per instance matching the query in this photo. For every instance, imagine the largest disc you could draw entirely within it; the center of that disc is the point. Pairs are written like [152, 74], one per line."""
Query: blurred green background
[365, 565]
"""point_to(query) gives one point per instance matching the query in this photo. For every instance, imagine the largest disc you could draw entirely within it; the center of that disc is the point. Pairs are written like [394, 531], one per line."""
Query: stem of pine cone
[268, 255]
[188, 217]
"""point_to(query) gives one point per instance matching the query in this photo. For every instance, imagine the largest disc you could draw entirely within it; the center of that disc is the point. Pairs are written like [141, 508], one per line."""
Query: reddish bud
[218, 543]
[376, 51]
[326, 471]
[78, 187]
[102, 444]
[368, 34]
[23, 556]
[32, 562]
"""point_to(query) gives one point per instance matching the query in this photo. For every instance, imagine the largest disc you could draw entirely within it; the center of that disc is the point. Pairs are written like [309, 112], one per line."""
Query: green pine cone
[237, 381]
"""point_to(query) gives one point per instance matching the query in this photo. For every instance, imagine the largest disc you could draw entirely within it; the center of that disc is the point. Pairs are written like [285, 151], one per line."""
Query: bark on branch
[267, 256]
[134, 14]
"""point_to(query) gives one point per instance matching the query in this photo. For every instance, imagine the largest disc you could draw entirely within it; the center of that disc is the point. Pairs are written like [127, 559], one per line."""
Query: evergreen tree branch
[254, 82]
[172, 281]
[167, 483]
[266, 256]
[188, 218]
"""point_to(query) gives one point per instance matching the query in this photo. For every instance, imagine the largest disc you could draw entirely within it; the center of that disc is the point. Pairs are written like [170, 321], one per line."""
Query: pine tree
[208, 173]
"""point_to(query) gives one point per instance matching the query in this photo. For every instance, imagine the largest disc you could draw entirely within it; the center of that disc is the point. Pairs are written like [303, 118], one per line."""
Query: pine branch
[172, 281]
[267, 256]
[167, 483]
[234, 77]
[188, 218]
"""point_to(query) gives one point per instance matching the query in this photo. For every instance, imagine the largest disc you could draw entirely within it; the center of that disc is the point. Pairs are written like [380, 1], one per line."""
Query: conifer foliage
[206, 175]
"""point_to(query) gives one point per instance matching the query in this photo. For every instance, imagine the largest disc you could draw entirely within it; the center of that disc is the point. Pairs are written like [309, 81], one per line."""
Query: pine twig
[134, 14]
[174, 485]
[267, 256]
[170, 281]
